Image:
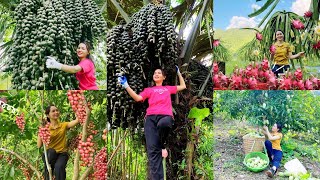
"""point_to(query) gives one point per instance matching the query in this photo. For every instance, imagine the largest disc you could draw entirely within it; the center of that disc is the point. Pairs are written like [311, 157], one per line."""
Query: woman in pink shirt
[85, 70]
[159, 117]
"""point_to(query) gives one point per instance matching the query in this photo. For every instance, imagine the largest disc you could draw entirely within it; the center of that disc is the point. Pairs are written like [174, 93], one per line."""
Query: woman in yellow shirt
[273, 147]
[282, 54]
[57, 148]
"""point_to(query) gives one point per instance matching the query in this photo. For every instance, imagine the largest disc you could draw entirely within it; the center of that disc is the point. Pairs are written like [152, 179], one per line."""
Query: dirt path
[229, 154]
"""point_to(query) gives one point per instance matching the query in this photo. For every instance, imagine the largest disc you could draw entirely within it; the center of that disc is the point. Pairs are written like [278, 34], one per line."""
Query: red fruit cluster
[44, 134]
[295, 82]
[86, 151]
[76, 99]
[20, 122]
[91, 129]
[100, 165]
[248, 78]
[26, 172]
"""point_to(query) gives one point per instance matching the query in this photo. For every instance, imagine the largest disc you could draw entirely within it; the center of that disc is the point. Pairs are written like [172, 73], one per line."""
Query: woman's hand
[301, 54]
[182, 85]
[265, 128]
[123, 81]
[52, 63]
[177, 69]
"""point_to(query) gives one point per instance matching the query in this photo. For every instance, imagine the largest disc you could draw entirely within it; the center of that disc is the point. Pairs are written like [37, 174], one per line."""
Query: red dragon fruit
[298, 74]
[216, 81]
[272, 49]
[259, 36]
[272, 81]
[248, 70]
[308, 85]
[252, 82]
[236, 82]
[297, 24]
[265, 64]
[285, 83]
[215, 68]
[316, 45]
[308, 14]
[298, 85]
[224, 80]
[314, 81]
[216, 42]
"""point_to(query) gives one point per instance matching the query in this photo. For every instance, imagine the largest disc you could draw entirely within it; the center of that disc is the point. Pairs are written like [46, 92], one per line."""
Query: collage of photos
[113, 89]
[159, 90]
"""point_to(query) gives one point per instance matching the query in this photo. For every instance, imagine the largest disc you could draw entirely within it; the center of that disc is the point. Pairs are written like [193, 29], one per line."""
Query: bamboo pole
[164, 168]
[117, 148]
[47, 162]
[123, 159]
[130, 163]
[136, 167]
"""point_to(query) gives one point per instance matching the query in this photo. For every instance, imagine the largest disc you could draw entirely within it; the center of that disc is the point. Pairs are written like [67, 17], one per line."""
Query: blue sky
[234, 13]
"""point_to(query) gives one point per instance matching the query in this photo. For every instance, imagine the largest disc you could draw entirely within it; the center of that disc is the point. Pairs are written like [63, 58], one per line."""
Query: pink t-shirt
[159, 99]
[86, 78]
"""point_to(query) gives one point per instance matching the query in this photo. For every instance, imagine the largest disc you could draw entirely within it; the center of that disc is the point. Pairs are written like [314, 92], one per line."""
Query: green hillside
[234, 39]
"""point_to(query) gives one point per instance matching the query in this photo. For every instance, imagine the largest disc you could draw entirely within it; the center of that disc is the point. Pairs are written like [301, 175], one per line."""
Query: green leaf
[122, 12]
[12, 171]
[263, 8]
[188, 47]
[198, 114]
[267, 15]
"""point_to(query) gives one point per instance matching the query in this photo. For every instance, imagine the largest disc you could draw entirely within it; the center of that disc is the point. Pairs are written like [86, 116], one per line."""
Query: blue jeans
[277, 154]
[276, 69]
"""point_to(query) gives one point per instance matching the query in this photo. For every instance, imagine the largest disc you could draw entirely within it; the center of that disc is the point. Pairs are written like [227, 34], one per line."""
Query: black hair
[89, 48]
[164, 73]
[275, 34]
[279, 126]
[47, 111]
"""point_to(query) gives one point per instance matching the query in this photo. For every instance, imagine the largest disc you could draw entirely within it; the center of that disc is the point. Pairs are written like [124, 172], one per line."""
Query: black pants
[156, 130]
[58, 162]
[276, 69]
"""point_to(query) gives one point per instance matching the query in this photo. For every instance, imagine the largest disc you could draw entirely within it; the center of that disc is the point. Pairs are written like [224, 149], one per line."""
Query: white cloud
[242, 22]
[300, 6]
[255, 6]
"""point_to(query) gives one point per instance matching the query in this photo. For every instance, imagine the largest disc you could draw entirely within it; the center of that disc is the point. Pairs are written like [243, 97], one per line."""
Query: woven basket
[252, 144]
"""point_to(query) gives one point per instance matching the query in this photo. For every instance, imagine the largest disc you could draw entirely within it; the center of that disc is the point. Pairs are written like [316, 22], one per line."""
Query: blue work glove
[177, 69]
[123, 81]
